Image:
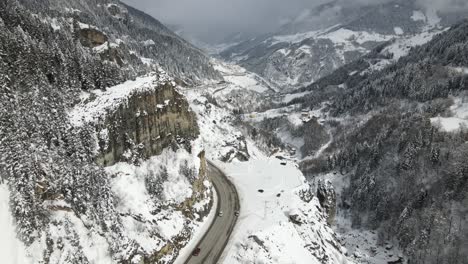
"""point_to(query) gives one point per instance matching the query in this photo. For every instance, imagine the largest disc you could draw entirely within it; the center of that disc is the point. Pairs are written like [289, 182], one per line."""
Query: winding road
[215, 240]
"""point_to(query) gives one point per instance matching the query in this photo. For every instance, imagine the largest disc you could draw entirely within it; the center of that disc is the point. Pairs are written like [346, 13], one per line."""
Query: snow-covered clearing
[129, 183]
[239, 78]
[267, 234]
[296, 38]
[12, 249]
[401, 46]
[449, 124]
[398, 31]
[289, 97]
[459, 118]
[418, 16]
[105, 47]
[461, 70]
[336, 34]
[272, 113]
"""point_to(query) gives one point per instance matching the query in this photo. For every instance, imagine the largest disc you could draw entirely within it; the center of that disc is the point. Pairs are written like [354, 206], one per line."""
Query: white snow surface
[418, 16]
[289, 97]
[336, 34]
[398, 31]
[458, 119]
[12, 249]
[148, 42]
[239, 78]
[129, 181]
[265, 234]
[449, 124]
[401, 46]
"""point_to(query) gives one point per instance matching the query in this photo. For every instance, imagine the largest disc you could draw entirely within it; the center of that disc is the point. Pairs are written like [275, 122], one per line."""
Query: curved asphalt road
[214, 241]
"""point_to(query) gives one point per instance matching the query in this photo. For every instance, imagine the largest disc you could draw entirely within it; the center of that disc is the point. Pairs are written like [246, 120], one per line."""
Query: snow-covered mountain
[124, 35]
[322, 39]
[105, 129]
[100, 154]
[108, 119]
[390, 135]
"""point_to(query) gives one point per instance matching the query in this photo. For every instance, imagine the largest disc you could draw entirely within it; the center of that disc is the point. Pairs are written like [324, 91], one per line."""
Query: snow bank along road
[214, 241]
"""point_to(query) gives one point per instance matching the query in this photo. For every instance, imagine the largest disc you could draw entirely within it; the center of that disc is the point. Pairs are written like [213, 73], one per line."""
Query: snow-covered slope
[378, 156]
[153, 207]
[12, 249]
[282, 224]
[120, 34]
[280, 220]
[295, 57]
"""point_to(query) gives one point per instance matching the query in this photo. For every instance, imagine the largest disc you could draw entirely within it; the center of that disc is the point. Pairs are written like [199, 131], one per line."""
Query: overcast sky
[227, 16]
[207, 19]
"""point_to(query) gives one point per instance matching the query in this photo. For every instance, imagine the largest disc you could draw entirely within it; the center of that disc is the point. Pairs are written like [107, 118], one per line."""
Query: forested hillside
[122, 34]
[400, 140]
[66, 208]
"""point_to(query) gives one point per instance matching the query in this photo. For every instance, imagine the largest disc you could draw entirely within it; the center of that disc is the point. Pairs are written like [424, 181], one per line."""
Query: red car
[196, 252]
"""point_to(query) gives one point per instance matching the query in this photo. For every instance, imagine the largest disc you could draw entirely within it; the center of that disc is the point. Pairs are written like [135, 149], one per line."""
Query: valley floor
[271, 193]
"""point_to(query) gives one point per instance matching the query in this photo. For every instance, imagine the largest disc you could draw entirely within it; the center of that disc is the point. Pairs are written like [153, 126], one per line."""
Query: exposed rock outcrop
[145, 125]
[327, 197]
[119, 12]
[199, 190]
[113, 54]
[114, 10]
[239, 151]
[90, 37]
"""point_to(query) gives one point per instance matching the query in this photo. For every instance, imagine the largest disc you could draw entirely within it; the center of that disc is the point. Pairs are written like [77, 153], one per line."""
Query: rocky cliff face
[147, 122]
[91, 38]
[327, 197]
[145, 125]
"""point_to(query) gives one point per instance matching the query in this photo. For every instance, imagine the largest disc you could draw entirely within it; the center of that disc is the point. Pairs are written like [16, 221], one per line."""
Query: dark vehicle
[261, 191]
[283, 163]
[196, 252]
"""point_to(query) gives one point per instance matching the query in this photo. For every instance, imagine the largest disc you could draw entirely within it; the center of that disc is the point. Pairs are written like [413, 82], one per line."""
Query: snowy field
[458, 119]
[12, 249]
[265, 233]
[238, 78]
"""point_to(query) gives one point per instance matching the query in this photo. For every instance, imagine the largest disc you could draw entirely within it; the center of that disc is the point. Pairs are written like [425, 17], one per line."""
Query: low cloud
[223, 17]
[444, 5]
[212, 20]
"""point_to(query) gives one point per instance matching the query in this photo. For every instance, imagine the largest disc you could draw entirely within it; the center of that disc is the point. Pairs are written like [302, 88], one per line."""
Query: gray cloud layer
[210, 20]
[203, 17]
